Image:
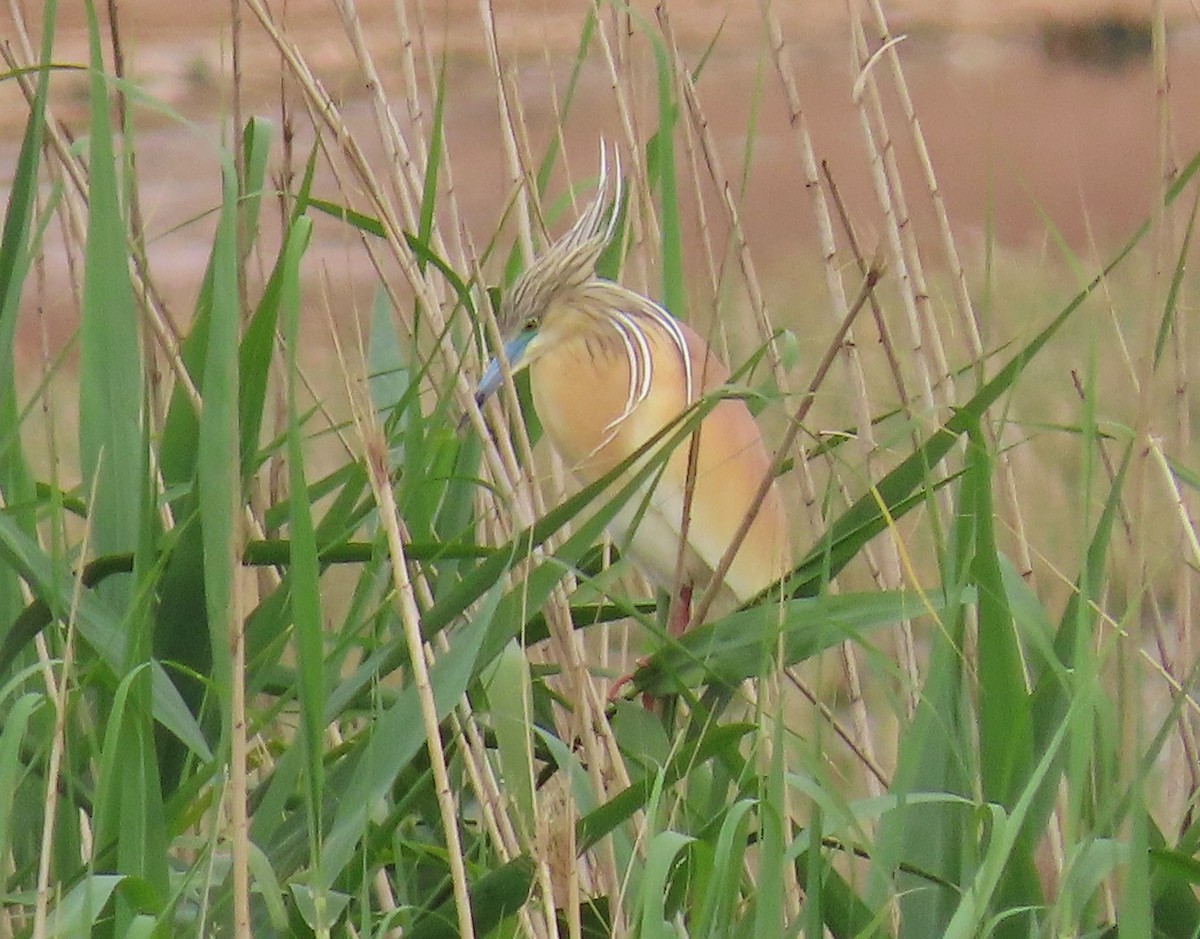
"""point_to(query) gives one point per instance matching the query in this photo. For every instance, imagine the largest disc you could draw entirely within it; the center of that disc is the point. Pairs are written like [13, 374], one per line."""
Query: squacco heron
[609, 369]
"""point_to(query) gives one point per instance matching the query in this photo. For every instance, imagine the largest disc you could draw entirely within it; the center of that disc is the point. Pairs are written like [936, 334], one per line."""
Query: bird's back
[582, 392]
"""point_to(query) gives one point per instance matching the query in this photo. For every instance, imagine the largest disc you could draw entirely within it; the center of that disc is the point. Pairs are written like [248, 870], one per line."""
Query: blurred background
[1039, 115]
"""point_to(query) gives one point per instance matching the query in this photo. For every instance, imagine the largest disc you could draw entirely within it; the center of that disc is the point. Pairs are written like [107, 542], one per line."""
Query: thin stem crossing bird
[609, 369]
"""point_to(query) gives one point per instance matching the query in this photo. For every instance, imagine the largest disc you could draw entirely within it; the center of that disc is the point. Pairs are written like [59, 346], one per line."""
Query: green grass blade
[305, 573]
[660, 160]
[1054, 688]
[128, 813]
[16, 254]
[98, 626]
[1005, 732]
[433, 164]
[769, 906]
[729, 650]
[1136, 917]
[494, 896]
[507, 686]
[716, 741]
[1172, 300]
[110, 360]
[254, 366]
[218, 481]
[662, 854]
[970, 914]
[256, 148]
[13, 772]
[1004, 722]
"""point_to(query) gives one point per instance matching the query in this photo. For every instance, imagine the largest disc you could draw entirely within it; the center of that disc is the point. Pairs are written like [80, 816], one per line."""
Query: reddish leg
[681, 611]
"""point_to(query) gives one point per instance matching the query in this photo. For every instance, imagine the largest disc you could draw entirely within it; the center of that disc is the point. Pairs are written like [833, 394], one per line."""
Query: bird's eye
[532, 324]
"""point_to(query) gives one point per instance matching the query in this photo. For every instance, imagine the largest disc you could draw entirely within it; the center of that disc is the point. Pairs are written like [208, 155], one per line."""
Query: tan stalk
[57, 746]
[238, 792]
[1181, 436]
[962, 295]
[1187, 528]
[913, 291]
[968, 320]
[1149, 404]
[691, 131]
[822, 217]
[720, 179]
[824, 220]
[517, 179]
[860, 261]
[448, 195]
[856, 379]
[848, 737]
[375, 451]
[621, 80]
[326, 114]
[403, 171]
[930, 362]
[239, 810]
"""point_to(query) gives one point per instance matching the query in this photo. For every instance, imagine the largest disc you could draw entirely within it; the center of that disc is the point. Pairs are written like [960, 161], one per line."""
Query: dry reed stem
[720, 180]
[1167, 166]
[968, 320]
[860, 261]
[57, 746]
[238, 791]
[914, 293]
[404, 174]
[1164, 249]
[962, 295]
[621, 72]
[238, 749]
[326, 114]
[825, 232]
[1187, 529]
[448, 195]
[1167, 658]
[930, 366]
[517, 179]
[375, 450]
[718, 338]
[857, 380]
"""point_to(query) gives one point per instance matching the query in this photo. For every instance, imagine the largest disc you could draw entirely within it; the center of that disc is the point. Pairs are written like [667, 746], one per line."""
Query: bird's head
[527, 318]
